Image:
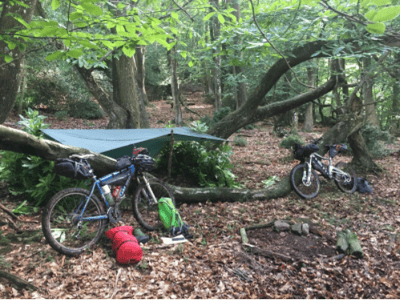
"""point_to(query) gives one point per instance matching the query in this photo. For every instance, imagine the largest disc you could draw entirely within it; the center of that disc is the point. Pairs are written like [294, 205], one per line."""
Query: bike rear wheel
[347, 183]
[144, 208]
[60, 221]
[304, 189]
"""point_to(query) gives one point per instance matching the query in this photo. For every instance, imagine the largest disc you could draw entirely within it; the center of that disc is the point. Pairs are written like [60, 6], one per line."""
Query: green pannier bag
[169, 215]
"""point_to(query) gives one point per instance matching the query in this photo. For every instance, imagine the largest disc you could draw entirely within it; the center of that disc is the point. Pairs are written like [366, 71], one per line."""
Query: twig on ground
[116, 284]
[19, 282]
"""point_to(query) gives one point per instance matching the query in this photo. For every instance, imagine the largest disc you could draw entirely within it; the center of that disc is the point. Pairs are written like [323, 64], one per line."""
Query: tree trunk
[140, 72]
[125, 91]
[285, 119]
[361, 156]
[215, 33]
[309, 116]
[395, 129]
[22, 93]
[10, 73]
[370, 108]
[240, 93]
[116, 114]
[171, 55]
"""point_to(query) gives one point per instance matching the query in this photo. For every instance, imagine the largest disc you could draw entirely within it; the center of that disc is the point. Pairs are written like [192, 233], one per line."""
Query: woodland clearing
[214, 264]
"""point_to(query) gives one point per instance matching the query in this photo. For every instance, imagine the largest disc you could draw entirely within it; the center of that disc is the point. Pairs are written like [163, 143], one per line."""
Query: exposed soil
[299, 248]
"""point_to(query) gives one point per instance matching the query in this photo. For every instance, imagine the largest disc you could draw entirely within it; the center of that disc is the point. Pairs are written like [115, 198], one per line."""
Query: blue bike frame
[97, 183]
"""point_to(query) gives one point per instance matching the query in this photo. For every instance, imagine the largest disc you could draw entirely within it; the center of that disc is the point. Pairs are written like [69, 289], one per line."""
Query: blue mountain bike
[74, 219]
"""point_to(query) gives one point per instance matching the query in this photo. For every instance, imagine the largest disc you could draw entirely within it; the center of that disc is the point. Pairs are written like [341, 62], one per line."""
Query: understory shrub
[218, 115]
[29, 175]
[85, 109]
[192, 160]
[240, 141]
[376, 140]
[289, 141]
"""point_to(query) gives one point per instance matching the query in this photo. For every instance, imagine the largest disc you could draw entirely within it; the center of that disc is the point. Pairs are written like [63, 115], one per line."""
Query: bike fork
[150, 190]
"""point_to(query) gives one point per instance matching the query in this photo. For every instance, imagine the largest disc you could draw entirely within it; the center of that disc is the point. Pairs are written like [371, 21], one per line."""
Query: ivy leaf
[378, 28]
[184, 54]
[190, 64]
[221, 18]
[54, 56]
[387, 13]
[92, 9]
[208, 16]
[55, 4]
[175, 15]
[8, 58]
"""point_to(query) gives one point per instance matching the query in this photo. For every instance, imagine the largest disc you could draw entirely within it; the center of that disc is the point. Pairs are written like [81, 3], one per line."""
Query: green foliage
[240, 141]
[24, 209]
[376, 140]
[61, 115]
[170, 124]
[85, 109]
[4, 264]
[32, 176]
[270, 181]
[208, 168]
[34, 123]
[289, 141]
[199, 127]
[218, 115]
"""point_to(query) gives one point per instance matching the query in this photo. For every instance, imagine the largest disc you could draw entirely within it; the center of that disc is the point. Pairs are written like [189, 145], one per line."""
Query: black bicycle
[75, 218]
[304, 179]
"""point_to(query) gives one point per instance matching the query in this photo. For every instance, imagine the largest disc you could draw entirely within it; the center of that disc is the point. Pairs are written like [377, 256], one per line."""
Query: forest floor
[214, 264]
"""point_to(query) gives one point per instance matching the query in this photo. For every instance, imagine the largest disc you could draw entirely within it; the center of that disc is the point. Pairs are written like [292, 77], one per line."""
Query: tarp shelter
[116, 143]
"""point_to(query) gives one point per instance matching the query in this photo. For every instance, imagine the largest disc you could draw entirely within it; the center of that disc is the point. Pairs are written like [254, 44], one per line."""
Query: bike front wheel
[298, 180]
[345, 179]
[60, 221]
[145, 209]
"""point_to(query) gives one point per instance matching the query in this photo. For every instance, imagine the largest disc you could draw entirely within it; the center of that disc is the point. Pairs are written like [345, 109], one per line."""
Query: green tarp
[116, 143]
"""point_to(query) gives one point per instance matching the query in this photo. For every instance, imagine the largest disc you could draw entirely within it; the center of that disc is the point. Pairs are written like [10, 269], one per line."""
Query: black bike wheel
[303, 189]
[345, 182]
[60, 223]
[144, 208]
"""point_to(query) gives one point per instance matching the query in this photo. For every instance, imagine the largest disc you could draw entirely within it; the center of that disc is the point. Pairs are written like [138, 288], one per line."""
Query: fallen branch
[321, 234]
[333, 258]
[8, 211]
[13, 225]
[270, 224]
[19, 282]
[243, 234]
[257, 163]
[116, 284]
[187, 108]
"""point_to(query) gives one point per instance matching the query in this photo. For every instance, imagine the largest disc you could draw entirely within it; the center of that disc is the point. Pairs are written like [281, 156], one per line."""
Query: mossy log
[354, 245]
[348, 243]
[243, 234]
[342, 246]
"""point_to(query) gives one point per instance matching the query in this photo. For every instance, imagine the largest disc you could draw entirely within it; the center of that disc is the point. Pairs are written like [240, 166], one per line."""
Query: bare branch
[273, 46]
[184, 10]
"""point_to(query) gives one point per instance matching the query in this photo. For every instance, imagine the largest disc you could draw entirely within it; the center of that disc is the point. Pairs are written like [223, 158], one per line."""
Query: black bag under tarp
[79, 170]
[363, 186]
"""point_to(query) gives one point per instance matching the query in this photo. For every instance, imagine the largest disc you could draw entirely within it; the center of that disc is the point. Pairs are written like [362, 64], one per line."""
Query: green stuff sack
[169, 215]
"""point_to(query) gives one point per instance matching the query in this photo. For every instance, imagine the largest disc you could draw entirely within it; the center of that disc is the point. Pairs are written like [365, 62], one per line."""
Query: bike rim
[305, 188]
[147, 209]
[63, 222]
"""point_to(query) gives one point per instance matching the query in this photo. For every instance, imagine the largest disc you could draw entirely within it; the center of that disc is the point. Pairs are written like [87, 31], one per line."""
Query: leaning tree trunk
[10, 73]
